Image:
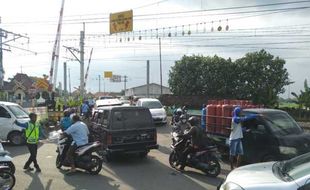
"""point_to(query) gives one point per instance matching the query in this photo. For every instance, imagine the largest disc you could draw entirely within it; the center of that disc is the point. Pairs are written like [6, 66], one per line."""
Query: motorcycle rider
[79, 132]
[176, 116]
[66, 121]
[196, 135]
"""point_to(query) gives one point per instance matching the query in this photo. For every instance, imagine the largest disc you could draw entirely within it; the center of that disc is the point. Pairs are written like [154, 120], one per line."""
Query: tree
[303, 99]
[261, 77]
[257, 76]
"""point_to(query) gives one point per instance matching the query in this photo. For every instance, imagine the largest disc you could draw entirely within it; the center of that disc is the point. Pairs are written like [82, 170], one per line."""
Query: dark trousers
[188, 150]
[33, 148]
[71, 154]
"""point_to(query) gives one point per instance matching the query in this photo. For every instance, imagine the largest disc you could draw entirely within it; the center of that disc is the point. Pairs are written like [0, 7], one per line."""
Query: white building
[141, 91]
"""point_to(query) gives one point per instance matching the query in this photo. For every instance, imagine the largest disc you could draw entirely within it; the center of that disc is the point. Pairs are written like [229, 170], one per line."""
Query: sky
[280, 27]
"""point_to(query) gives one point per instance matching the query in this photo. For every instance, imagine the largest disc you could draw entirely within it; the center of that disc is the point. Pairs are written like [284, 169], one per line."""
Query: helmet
[237, 111]
[193, 121]
[183, 118]
[66, 113]
[179, 111]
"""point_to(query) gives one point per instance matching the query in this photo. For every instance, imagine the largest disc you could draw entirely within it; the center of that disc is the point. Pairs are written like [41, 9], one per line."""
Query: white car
[9, 112]
[108, 102]
[293, 174]
[157, 110]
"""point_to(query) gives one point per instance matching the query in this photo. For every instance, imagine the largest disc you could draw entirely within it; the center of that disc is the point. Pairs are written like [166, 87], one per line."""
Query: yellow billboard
[121, 22]
[108, 74]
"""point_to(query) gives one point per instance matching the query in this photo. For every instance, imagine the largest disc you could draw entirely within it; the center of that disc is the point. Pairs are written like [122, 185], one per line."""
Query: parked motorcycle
[205, 159]
[85, 157]
[7, 179]
[6, 160]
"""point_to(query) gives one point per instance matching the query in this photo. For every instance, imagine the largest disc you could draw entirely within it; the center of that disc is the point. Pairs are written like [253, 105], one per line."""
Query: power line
[105, 19]
[151, 4]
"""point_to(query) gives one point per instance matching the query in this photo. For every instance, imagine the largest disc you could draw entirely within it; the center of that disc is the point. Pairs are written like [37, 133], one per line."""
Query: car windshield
[130, 119]
[282, 124]
[297, 167]
[18, 111]
[152, 104]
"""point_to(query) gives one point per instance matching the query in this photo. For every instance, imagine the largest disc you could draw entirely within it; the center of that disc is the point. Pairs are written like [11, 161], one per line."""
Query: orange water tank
[219, 119]
[211, 117]
[226, 121]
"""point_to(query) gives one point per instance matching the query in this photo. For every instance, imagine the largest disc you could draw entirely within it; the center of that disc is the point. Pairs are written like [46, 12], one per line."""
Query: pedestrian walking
[32, 131]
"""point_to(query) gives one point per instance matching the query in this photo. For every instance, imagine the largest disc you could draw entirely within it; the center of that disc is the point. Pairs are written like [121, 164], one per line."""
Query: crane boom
[86, 74]
[56, 47]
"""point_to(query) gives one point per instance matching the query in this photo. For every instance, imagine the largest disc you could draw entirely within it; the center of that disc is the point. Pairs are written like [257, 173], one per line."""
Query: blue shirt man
[204, 117]
[85, 108]
[79, 133]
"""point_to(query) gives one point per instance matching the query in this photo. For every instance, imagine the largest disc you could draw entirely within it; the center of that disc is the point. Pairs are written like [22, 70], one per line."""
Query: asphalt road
[125, 173]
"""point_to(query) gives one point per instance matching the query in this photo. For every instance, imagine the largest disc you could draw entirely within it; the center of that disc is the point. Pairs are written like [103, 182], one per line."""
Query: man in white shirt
[79, 132]
[236, 135]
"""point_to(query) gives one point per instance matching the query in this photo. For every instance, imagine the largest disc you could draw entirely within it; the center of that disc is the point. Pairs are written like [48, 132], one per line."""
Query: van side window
[255, 126]
[117, 120]
[4, 113]
[105, 117]
[95, 117]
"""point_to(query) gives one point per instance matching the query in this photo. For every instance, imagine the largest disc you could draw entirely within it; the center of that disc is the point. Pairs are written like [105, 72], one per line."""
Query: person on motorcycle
[196, 135]
[176, 116]
[66, 121]
[79, 132]
[85, 109]
[182, 124]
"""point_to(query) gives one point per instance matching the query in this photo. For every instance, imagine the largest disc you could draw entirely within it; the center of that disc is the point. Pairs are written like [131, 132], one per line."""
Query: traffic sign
[116, 78]
[121, 22]
[108, 74]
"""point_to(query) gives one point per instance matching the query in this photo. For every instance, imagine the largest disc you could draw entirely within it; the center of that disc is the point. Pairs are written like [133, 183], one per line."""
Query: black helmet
[193, 121]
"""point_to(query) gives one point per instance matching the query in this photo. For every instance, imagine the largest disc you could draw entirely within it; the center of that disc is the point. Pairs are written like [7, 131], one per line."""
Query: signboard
[108, 74]
[42, 84]
[116, 78]
[121, 22]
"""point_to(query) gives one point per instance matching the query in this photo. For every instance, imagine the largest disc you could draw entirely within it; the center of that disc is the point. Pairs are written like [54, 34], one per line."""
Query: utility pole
[81, 59]
[99, 78]
[56, 48]
[8, 37]
[125, 80]
[161, 73]
[65, 82]
[148, 78]
[82, 37]
[69, 82]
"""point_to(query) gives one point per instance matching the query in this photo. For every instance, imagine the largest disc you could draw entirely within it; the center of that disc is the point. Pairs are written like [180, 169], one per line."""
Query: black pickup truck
[124, 129]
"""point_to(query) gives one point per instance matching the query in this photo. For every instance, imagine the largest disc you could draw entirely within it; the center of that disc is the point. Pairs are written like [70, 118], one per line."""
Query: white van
[9, 112]
[156, 108]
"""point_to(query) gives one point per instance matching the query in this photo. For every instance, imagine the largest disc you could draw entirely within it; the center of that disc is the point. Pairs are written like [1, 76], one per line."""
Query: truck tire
[17, 138]
[143, 154]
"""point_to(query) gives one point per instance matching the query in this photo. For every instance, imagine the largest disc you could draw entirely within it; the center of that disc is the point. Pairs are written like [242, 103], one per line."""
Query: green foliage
[3, 96]
[303, 99]
[257, 76]
[262, 77]
[73, 102]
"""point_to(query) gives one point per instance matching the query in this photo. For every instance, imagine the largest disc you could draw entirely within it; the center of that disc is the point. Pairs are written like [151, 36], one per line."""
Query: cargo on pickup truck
[273, 135]
[124, 129]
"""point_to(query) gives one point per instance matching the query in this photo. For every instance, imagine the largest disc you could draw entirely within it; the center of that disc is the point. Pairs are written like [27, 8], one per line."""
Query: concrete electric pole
[5, 38]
